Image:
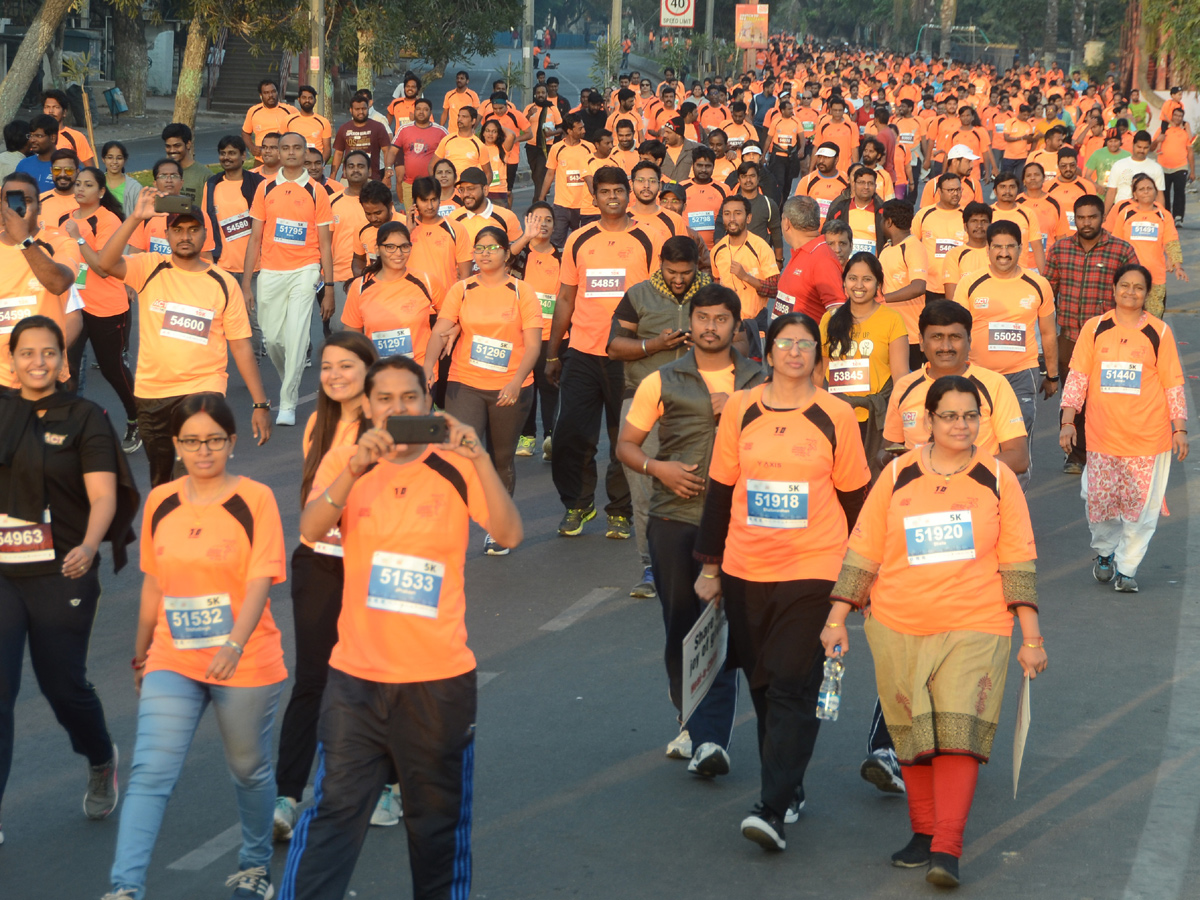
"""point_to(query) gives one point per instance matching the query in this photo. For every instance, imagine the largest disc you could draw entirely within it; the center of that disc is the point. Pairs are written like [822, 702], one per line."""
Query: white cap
[961, 151]
[827, 151]
[751, 148]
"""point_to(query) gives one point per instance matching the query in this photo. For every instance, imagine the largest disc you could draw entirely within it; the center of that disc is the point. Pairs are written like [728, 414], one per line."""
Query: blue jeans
[1025, 385]
[168, 714]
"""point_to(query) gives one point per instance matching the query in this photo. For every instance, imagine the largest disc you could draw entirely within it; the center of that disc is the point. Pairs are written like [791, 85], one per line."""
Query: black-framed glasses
[215, 443]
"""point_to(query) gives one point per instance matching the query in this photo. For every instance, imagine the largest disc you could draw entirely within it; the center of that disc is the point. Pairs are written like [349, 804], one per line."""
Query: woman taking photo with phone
[491, 369]
[786, 482]
[212, 546]
[943, 551]
[106, 316]
[60, 467]
[389, 303]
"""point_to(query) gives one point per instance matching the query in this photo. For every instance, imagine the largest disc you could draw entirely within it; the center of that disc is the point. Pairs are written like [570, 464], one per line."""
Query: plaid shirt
[1082, 280]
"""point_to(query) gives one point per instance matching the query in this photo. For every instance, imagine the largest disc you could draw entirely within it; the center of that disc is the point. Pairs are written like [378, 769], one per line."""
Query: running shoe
[644, 589]
[102, 794]
[883, 770]
[525, 445]
[308, 357]
[914, 854]
[574, 520]
[251, 884]
[546, 448]
[943, 870]
[388, 810]
[1071, 467]
[764, 828]
[132, 442]
[1126, 584]
[285, 818]
[709, 760]
[792, 816]
[619, 528]
[492, 548]
[285, 416]
[681, 746]
[1104, 571]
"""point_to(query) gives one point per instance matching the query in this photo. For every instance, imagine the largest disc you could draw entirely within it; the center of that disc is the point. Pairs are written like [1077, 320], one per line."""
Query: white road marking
[482, 678]
[1167, 837]
[209, 852]
[579, 609]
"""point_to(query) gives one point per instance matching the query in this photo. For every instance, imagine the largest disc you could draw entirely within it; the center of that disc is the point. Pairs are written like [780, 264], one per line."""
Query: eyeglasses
[488, 248]
[952, 418]
[801, 344]
[62, 170]
[395, 248]
[168, 176]
[191, 445]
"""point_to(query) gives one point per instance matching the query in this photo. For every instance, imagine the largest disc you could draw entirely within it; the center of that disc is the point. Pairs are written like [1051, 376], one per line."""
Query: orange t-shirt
[1031, 230]
[402, 111]
[202, 557]
[1065, 193]
[1149, 233]
[569, 165]
[823, 189]
[454, 101]
[493, 319]
[54, 207]
[602, 265]
[262, 120]
[1172, 153]
[348, 221]
[404, 539]
[1129, 371]
[902, 265]
[437, 250]
[291, 213]
[1005, 314]
[940, 543]
[845, 135]
[464, 152]
[366, 244]
[962, 261]
[702, 208]
[491, 215]
[940, 230]
[541, 274]
[756, 257]
[784, 136]
[661, 226]
[315, 129]
[151, 236]
[101, 296]
[185, 321]
[647, 406]
[233, 221]
[393, 314]
[1017, 128]
[785, 468]
[1000, 414]
[24, 296]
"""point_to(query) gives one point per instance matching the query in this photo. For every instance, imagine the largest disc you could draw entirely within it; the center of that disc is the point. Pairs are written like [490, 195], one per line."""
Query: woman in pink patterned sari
[1126, 368]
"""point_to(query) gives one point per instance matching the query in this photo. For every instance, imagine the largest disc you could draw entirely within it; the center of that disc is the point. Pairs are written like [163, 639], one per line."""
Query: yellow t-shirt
[865, 366]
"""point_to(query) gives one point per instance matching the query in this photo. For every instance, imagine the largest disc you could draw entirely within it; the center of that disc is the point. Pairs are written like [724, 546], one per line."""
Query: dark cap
[473, 175]
[676, 189]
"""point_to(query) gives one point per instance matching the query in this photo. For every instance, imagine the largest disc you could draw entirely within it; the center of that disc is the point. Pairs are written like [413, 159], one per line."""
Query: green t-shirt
[1102, 160]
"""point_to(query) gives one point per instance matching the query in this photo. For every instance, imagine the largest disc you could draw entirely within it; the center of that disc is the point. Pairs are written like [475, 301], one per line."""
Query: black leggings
[499, 426]
[109, 336]
[56, 614]
[546, 396]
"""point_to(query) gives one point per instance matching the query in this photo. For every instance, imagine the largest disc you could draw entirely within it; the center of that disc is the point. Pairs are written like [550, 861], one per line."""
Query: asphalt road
[574, 797]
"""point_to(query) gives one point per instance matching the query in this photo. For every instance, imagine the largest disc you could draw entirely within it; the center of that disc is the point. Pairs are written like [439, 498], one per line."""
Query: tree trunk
[366, 68]
[56, 57]
[1050, 35]
[1078, 32]
[132, 59]
[191, 75]
[949, 9]
[28, 61]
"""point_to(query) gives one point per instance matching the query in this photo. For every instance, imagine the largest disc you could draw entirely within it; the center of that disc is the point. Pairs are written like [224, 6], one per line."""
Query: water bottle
[830, 697]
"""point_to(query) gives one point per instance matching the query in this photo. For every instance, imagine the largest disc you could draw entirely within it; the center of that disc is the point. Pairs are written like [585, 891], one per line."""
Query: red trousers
[939, 799]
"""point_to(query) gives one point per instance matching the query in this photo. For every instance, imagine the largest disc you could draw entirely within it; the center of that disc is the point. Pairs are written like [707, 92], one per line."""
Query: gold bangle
[646, 466]
[704, 575]
[1041, 646]
[834, 625]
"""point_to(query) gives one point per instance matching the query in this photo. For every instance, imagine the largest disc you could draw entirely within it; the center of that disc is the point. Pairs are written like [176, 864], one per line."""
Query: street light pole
[316, 60]
[708, 31]
[614, 29]
[527, 51]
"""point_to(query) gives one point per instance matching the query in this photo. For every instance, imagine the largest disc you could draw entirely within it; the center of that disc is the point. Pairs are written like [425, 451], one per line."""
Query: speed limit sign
[678, 14]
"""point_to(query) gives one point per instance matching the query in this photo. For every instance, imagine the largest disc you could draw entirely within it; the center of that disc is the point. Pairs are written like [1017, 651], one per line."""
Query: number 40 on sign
[678, 14]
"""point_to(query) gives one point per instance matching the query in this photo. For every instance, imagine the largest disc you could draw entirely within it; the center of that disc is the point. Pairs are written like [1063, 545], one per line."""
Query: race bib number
[784, 304]
[25, 542]
[199, 622]
[397, 342]
[808, 126]
[14, 309]
[495, 176]
[160, 245]
[187, 323]
[1071, 220]
[859, 245]
[548, 301]
[702, 220]
[849, 376]
[331, 543]
[736, 143]
[939, 537]
[1006, 336]
[824, 206]
[1120, 378]
[446, 209]
[291, 232]
[777, 504]
[81, 278]
[784, 140]
[574, 178]
[403, 123]
[234, 227]
[405, 584]
[604, 283]
[1144, 231]
[907, 138]
[999, 128]
[491, 354]
[942, 247]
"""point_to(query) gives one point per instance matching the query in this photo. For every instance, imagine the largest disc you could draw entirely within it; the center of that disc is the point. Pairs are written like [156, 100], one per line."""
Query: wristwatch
[266, 404]
[27, 243]
[80, 241]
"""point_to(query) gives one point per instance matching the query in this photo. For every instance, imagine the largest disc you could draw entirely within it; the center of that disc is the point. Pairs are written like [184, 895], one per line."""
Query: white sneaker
[882, 770]
[388, 810]
[681, 747]
[285, 416]
[492, 548]
[285, 818]
[709, 760]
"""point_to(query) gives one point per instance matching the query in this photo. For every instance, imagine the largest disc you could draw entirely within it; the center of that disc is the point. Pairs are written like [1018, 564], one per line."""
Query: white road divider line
[482, 678]
[579, 609]
[209, 852]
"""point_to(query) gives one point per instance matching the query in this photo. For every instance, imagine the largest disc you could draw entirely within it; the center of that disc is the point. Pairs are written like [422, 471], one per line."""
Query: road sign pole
[527, 50]
[708, 31]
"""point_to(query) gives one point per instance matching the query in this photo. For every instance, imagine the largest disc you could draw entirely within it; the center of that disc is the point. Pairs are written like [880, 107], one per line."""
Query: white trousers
[285, 304]
[1129, 541]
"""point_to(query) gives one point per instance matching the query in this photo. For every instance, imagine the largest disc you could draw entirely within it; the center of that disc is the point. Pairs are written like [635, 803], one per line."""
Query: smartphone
[895, 449]
[418, 429]
[16, 202]
[173, 203]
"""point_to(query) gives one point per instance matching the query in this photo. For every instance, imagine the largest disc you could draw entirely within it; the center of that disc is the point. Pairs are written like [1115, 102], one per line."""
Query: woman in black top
[64, 488]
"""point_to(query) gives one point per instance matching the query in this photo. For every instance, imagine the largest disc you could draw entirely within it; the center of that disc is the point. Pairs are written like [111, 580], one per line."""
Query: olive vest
[687, 428]
[657, 310]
